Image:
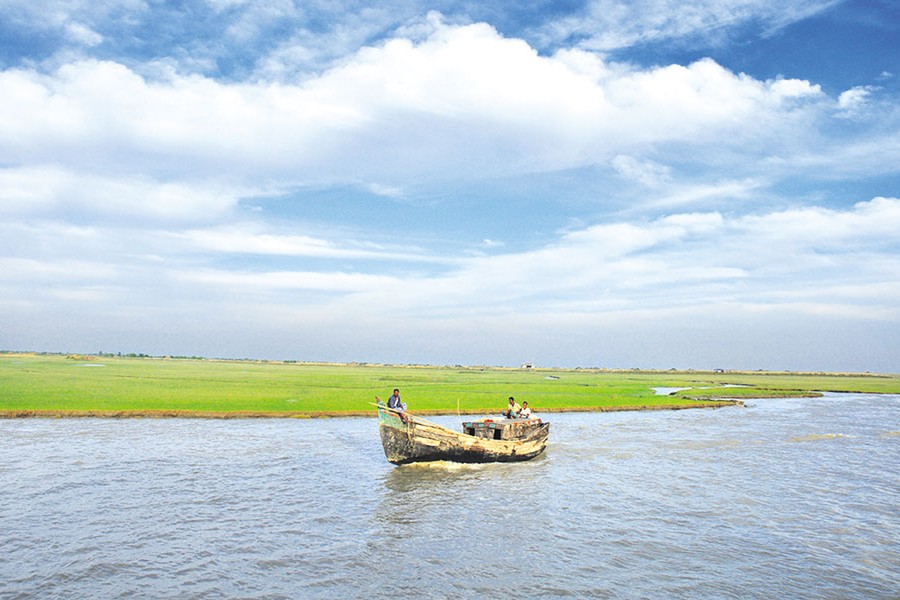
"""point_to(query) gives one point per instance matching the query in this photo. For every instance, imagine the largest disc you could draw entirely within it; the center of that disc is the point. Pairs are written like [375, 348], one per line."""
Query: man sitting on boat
[512, 410]
[525, 413]
[395, 404]
[394, 401]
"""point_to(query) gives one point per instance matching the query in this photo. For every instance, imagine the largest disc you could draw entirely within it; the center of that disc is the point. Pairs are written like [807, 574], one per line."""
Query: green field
[56, 385]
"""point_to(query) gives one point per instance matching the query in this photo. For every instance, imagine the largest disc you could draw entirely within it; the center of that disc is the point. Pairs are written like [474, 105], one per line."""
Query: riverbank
[189, 414]
[58, 386]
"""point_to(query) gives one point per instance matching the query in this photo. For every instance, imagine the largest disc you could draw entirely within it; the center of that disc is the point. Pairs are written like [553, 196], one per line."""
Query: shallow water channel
[783, 498]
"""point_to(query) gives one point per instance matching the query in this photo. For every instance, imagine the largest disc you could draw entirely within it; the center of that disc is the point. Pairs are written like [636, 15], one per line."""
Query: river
[795, 498]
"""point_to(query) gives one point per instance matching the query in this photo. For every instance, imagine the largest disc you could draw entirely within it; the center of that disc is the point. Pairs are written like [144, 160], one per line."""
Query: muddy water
[783, 498]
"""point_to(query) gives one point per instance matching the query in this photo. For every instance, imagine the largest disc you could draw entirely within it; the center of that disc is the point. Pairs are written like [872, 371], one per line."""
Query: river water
[795, 498]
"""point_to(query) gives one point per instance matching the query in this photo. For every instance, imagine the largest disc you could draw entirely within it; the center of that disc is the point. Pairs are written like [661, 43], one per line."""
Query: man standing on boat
[394, 401]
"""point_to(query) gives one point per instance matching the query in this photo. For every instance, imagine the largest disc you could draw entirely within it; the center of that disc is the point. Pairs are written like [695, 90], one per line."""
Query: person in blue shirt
[394, 401]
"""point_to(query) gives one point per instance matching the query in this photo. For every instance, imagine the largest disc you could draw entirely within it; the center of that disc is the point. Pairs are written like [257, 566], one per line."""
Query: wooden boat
[407, 438]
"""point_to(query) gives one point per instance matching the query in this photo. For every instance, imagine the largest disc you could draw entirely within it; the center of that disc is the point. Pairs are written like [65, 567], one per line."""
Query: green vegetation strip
[63, 386]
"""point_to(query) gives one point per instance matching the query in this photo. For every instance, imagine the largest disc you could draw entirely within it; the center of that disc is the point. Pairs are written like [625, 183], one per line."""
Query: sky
[581, 183]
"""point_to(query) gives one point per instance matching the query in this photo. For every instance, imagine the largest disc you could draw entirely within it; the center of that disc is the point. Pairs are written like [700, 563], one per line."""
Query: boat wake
[817, 437]
[446, 465]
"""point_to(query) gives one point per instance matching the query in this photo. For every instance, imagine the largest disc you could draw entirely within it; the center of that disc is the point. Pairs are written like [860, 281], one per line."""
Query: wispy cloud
[248, 239]
[694, 259]
[609, 25]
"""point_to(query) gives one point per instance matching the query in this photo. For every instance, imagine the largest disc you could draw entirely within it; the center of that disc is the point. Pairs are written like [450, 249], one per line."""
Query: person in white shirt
[525, 412]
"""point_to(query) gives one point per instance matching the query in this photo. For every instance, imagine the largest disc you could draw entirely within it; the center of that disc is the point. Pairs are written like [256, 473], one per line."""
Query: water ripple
[785, 498]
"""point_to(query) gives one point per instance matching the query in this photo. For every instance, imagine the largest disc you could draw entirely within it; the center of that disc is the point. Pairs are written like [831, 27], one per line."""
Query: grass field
[55, 385]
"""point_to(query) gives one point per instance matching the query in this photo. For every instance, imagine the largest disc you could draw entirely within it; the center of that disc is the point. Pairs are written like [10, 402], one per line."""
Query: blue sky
[651, 184]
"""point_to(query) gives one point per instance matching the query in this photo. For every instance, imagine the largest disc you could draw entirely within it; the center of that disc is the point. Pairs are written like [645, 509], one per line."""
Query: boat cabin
[501, 429]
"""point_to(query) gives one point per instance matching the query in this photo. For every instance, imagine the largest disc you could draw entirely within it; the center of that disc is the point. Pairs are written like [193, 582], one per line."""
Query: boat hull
[407, 439]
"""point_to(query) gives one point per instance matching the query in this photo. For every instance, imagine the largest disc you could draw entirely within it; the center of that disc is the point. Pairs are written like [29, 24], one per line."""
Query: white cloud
[465, 103]
[248, 239]
[388, 191]
[58, 270]
[872, 152]
[678, 195]
[852, 101]
[249, 283]
[42, 190]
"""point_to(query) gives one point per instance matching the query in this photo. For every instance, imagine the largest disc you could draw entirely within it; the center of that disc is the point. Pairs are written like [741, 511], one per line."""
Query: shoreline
[199, 414]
